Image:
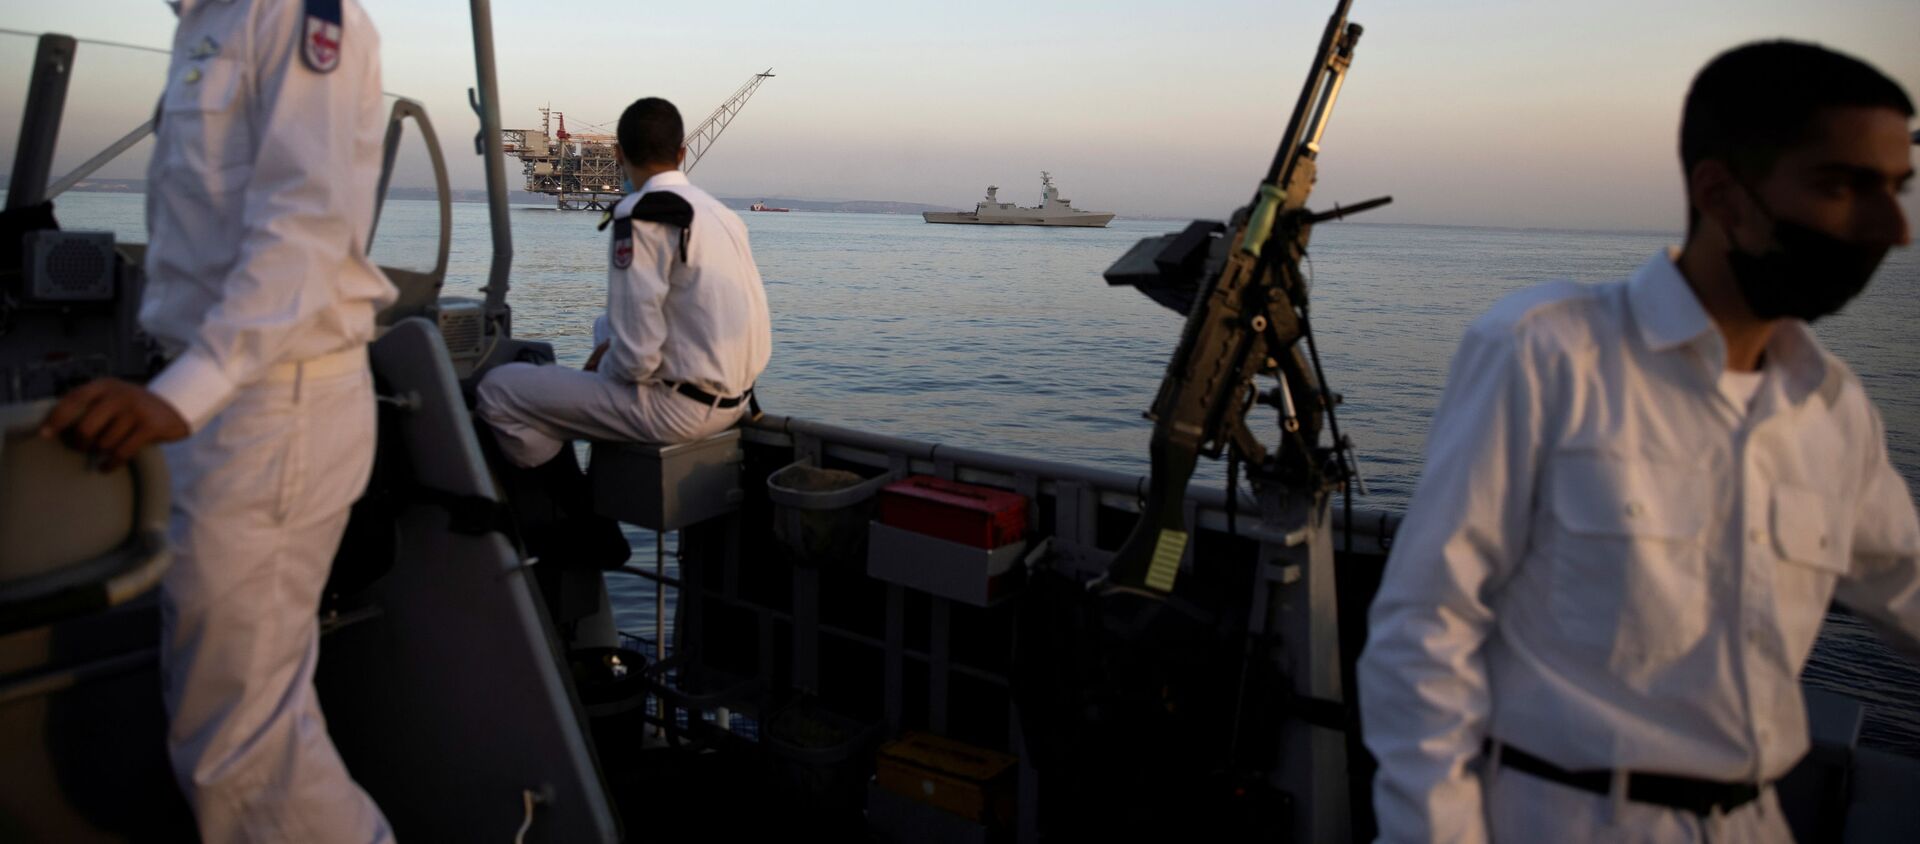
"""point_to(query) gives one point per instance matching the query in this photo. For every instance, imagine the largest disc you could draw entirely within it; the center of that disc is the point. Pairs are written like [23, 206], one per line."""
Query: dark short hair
[650, 132]
[1754, 102]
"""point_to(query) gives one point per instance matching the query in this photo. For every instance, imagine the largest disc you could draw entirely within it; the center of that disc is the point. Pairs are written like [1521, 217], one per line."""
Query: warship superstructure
[1054, 210]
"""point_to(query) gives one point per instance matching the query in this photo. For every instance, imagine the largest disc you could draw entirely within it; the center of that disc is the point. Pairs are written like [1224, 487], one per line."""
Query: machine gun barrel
[1341, 212]
[1285, 156]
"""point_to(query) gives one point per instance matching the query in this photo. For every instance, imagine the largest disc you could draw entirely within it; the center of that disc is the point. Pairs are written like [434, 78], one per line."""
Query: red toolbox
[979, 516]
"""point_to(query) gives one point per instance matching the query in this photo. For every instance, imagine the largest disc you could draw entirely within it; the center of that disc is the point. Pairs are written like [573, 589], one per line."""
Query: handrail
[485, 99]
[40, 123]
[404, 108]
[1118, 489]
[100, 160]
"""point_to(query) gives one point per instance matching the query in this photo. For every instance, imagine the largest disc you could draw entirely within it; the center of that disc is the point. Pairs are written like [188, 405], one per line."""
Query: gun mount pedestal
[1242, 290]
[1295, 608]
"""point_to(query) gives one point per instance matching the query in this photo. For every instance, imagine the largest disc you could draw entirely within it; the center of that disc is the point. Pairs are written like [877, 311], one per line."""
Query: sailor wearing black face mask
[1640, 497]
[1806, 274]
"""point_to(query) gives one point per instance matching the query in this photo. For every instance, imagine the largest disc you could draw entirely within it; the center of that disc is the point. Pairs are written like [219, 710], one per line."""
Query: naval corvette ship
[1053, 210]
[872, 638]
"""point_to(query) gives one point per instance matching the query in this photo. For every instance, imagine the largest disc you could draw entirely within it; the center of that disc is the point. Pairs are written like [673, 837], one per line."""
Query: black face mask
[1808, 274]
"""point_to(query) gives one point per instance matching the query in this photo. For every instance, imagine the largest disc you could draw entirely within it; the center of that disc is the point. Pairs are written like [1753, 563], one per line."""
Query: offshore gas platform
[578, 169]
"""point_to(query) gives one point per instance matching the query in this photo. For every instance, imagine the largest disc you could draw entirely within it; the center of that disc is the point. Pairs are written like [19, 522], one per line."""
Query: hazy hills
[842, 206]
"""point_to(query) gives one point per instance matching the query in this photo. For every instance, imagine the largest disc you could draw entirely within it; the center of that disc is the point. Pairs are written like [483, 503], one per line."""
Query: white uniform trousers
[536, 409]
[1523, 808]
[260, 500]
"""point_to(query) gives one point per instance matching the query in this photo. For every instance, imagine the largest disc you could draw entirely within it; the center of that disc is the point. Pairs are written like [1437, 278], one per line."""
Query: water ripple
[1007, 339]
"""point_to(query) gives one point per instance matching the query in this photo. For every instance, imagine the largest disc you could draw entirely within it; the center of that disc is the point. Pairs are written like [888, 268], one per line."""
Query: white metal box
[940, 567]
[667, 487]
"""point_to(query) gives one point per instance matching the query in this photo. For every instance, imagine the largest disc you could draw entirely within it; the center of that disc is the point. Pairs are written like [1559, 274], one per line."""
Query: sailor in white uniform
[259, 204]
[685, 332]
[1640, 498]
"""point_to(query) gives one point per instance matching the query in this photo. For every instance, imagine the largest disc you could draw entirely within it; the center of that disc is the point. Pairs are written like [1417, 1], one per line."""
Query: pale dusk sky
[1477, 112]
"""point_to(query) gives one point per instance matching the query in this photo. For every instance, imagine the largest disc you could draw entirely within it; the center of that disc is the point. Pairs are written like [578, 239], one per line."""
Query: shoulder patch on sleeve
[622, 243]
[321, 36]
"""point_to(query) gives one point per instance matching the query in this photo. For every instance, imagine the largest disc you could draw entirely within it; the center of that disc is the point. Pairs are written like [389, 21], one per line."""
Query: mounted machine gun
[1241, 288]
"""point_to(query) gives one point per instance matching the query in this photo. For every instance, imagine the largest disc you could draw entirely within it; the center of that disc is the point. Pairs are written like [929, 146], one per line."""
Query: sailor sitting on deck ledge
[685, 332]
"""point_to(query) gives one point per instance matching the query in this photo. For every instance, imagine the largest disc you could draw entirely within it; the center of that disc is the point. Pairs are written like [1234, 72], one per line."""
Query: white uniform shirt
[1609, 565]
[258, 203]
[1741, 387]
[703, 321]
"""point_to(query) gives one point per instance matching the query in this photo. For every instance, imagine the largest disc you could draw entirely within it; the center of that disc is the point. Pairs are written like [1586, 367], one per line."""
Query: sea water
[1007, 338]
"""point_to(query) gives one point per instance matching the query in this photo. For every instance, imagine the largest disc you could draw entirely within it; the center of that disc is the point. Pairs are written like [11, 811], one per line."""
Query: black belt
[709, 399]
[1698, 796]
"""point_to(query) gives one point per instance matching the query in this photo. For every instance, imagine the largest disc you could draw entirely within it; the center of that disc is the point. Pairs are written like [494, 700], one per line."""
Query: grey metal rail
[40, 121]
[1117, 490]
[486, 103]
[404, 108]
[100, 159]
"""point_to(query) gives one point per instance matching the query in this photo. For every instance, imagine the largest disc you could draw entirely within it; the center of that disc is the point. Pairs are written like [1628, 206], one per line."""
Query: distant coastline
[458, 194]
[839, 206]
[835, 206]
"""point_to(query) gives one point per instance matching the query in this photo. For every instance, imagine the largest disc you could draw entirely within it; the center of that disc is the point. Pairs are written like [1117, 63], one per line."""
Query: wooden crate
[972, 782]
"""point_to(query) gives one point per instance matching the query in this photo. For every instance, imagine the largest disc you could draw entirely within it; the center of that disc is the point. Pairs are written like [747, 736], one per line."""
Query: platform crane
[579, 170]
